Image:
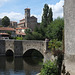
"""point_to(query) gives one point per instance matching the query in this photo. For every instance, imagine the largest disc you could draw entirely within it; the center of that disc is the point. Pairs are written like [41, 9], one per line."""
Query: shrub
[49, 68]
[19, 38]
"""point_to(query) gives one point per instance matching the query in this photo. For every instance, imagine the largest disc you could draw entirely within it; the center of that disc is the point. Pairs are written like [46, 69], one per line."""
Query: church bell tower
[27, 17]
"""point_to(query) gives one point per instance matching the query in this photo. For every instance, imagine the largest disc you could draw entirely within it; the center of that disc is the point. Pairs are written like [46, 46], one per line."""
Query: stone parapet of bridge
[19, 47]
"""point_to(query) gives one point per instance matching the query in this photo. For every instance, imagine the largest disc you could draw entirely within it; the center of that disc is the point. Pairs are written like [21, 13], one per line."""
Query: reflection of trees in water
[32, 60]
[19, 65]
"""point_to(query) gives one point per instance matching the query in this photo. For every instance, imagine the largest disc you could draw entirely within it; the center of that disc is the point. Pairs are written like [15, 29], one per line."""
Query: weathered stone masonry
[20, 47]
[69, 33]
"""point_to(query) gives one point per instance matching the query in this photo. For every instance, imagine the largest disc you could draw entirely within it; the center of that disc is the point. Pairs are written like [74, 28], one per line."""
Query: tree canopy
[5, 21]
[47, 16]
[55, 29]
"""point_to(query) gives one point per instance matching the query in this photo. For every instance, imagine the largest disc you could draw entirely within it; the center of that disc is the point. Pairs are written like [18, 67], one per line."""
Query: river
[19, 66]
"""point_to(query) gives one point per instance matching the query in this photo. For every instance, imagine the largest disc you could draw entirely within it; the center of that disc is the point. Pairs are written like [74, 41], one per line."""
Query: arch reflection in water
[9, 53]
[33, 57]
[18, 66]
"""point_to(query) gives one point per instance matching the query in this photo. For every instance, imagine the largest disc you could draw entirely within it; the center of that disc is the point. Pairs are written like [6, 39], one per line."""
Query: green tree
[29, 35]
[50, 16]
[36, 29]
[55, 28]
[37, 36]
[28, 31]
[45, 15]
[55, 45]
[5, 21]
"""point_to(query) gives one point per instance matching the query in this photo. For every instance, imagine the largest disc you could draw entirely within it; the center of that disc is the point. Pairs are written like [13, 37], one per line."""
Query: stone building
[28, 21]
[22, 23]
[13, 24]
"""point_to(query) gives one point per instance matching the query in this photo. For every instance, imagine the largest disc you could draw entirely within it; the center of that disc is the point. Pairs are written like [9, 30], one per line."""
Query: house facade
[21, 32]
[13, 24]
[12, 31]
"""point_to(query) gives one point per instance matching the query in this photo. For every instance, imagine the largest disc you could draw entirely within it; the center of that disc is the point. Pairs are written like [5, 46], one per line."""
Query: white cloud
[2, 2]
[12, 15]
[57, 9]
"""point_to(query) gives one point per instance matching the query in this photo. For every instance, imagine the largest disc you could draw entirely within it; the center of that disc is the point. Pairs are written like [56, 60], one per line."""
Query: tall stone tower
[69, 31]
[27, 17]
[30, 21]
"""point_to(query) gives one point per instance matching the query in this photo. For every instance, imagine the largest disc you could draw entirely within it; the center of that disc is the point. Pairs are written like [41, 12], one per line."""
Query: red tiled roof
[7, 28]
[22, 19]
[4, 34]
[21, 23]
[20, 33]
[22, 28]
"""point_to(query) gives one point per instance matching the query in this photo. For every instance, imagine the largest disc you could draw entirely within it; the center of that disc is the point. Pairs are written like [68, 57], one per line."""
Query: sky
[14, 9]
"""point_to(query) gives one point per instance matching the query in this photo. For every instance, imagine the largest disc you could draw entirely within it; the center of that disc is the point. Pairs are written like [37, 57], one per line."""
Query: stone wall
[19, 47]
[33, 22]
[2, 47]
[33, 44]
[69, 32]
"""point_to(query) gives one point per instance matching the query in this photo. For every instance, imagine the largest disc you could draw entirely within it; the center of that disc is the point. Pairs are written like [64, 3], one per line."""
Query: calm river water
[19, 66]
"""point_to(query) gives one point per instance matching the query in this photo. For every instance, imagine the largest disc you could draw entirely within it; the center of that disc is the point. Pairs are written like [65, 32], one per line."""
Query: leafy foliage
[54, 30]
[19, 38]
[50, 16]
[56, 48]
[55, 45]
[5, 21]
[49, 68]
[28, 35]
[36, 35]
[47, 16]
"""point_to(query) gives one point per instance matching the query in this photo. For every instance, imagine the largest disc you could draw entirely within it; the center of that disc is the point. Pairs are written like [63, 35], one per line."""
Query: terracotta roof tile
[22, 28]
[20, 33]
[4, 34]
[7, 28]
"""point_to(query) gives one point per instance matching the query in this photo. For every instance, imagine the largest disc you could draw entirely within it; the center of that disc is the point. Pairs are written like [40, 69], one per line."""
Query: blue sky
[14, 9]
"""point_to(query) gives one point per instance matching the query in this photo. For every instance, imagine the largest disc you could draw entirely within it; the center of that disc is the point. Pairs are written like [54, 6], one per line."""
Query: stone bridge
[19, 47]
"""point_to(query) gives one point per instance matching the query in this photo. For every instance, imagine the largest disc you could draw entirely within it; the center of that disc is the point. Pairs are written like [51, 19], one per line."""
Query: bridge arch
[9, 52]
[33, 52]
